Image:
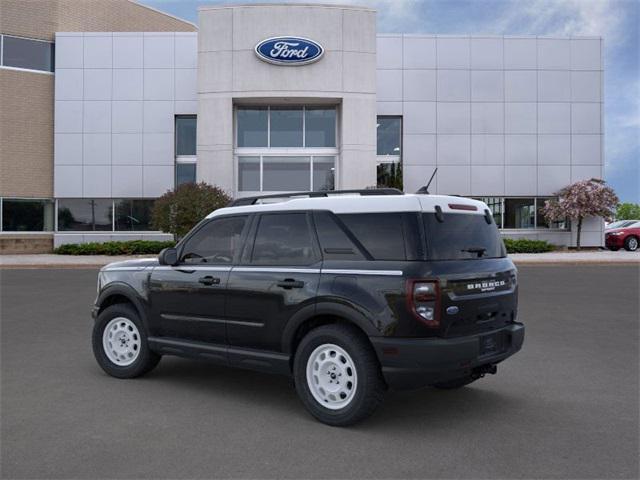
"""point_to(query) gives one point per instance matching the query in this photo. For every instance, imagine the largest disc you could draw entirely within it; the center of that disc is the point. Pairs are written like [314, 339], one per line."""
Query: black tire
[454, 384]
[631, 243]
[370, 386]
[146, 359]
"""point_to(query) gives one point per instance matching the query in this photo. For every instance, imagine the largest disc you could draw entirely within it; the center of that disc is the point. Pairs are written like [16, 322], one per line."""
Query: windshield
[462, 236]
[621, 224]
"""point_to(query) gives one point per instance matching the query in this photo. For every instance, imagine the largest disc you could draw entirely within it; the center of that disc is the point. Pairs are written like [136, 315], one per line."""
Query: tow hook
[483, 370]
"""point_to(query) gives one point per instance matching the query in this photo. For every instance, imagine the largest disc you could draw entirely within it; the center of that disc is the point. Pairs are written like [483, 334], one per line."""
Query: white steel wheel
[632, 243]
[331, 376]
[121, 341]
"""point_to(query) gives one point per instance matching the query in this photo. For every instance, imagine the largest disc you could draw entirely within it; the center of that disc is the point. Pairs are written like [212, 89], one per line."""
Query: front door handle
[209, 280]
[289, 283]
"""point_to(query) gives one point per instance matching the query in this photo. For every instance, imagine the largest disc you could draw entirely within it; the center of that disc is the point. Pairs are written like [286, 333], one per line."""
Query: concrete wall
[229, 72]
[117, 95]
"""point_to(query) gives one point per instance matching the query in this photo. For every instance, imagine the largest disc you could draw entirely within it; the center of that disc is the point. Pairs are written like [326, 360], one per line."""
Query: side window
[386, 236]
[335, 243]
[215, 243]
[283, 239]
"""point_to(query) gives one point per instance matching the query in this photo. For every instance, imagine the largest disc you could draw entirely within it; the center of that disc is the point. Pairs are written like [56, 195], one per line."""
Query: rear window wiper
[479, 250]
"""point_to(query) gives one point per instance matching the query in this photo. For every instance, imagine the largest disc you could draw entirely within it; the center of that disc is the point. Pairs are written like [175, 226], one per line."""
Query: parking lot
[565, 406]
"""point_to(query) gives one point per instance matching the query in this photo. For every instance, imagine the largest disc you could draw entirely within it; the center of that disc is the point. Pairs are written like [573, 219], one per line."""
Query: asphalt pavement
[565, 406]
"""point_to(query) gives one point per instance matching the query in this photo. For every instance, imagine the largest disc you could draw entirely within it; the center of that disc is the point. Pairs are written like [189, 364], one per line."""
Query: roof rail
[370, 191]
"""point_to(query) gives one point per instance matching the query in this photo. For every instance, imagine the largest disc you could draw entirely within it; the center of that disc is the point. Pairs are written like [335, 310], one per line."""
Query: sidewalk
[603, 257]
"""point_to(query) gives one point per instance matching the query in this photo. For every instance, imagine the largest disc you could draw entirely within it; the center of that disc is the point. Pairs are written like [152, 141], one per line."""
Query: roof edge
[287, 4]
[136, 2]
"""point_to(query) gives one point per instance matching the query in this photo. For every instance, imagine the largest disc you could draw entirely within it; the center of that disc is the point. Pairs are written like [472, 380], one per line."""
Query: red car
[627, 237]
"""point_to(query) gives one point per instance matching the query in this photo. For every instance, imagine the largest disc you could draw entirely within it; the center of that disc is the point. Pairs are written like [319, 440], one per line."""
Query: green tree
[178, 211]
[628, 211]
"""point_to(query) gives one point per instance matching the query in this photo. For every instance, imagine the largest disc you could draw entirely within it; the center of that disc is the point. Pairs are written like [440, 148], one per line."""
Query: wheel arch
[119, 293]
[323, 314]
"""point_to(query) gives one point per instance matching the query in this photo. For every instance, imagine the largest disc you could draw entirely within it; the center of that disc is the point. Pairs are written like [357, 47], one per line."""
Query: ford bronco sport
[350, 293]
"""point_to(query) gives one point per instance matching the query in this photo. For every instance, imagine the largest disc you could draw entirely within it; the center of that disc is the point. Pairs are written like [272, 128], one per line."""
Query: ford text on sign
[289, 50]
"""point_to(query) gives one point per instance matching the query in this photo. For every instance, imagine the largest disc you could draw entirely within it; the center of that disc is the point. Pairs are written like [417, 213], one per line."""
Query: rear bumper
[413, 363]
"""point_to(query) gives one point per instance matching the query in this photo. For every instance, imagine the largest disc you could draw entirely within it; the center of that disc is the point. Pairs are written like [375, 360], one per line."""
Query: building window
[253, 127]
[186, 141]
[85, 215]
[519, 213]
[27, 215]
[133, 215]
[27, 54]
[274, 173]
[97, 215]
[286, 127]
[495, 207]
[284, 149]
[389, 151]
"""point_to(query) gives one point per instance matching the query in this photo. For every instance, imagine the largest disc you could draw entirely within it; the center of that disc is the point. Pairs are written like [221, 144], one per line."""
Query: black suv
[350, 293]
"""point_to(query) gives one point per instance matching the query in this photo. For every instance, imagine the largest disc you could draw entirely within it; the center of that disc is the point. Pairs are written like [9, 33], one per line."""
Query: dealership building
[104, 112]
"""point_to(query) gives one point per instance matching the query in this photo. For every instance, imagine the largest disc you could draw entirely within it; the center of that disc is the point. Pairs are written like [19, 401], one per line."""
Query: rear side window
[334, 239]
[386, 236]
[283, 239]
[462, 236]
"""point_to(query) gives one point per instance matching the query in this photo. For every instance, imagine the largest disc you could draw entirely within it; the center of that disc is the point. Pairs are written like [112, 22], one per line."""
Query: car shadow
[401, 410]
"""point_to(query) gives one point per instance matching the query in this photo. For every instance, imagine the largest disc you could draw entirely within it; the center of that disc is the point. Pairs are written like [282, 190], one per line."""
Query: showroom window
[26, 53]
[521, 213]
[133, 215]
[389, 151]
[26, 215]
[186, 141]
[97, 215]
[85, 215]
[280, 149]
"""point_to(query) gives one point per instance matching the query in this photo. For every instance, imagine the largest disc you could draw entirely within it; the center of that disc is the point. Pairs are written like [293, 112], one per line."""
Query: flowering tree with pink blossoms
[586, 198]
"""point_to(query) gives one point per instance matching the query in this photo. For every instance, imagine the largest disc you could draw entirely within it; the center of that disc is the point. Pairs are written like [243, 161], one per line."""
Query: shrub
[524, 245]
[178, 211]
[133, 247]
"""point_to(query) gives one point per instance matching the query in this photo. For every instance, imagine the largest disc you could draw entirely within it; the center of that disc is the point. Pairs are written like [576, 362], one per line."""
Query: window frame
[249, 246]
[22, 69]
[390, 159]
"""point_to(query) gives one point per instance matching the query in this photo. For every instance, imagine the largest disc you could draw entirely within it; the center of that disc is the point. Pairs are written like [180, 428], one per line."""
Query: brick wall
[26, 116]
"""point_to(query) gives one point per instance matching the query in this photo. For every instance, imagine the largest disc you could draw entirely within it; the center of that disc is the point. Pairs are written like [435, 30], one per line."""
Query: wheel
[456, 383]
[631, 244]
[337, 375]
[120, 343]
[614, 249]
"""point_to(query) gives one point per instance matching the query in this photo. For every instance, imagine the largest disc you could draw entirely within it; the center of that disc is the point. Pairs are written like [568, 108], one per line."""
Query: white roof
[354, 203]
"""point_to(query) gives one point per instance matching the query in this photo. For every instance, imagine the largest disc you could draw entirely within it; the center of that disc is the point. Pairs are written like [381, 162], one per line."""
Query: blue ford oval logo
[289, 50]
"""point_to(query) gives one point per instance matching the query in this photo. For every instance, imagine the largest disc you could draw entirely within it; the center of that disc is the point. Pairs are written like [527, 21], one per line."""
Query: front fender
[125, 290]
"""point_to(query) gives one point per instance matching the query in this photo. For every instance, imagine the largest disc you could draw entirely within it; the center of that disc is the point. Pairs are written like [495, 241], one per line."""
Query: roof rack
[370, 191]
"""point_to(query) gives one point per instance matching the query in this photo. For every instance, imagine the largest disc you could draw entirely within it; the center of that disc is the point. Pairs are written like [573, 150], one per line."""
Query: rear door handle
[209, 280]
[289, 283]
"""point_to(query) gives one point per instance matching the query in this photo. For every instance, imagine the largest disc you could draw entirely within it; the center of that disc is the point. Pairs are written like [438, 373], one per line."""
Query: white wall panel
[128, 84]
[69, 84]
[453, 180]
[127, 51]
[487, 85]
[97, 84]
[521, 85]
[158, 51]
[487, 53]
[454, 85]
[419, 52]
[554, 118]
[520, 149]
[96, 149]
[96, 181]
[126, 148]
[453, 52]
[419, 85]
[520, 53]
[98, 51]
[454, 117]
[487, 117]
[454, 149]
[487, 149]
[586, 118]
[68, 148]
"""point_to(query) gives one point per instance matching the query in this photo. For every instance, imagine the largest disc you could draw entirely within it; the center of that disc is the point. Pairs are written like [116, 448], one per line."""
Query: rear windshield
[462, 236]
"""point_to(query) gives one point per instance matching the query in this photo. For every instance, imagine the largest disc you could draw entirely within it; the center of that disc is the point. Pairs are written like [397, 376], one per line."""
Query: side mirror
[168, 256]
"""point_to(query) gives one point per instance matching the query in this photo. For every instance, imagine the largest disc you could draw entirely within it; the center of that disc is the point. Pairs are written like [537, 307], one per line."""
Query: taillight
[423, 299]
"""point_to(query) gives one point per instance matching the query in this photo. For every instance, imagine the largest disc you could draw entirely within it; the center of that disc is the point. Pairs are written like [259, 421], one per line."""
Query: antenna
[425, 189]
